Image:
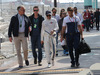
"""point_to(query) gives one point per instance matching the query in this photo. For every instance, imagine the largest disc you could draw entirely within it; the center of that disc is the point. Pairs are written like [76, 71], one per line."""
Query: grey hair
[19, 7]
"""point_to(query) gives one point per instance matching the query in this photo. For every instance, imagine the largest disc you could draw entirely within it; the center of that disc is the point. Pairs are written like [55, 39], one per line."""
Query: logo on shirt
[51, 22]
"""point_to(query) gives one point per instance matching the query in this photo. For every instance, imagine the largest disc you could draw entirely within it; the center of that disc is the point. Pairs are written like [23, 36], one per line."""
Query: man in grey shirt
[57, 17]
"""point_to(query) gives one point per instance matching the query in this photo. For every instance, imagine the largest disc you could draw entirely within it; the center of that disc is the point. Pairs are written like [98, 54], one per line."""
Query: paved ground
[62, 65]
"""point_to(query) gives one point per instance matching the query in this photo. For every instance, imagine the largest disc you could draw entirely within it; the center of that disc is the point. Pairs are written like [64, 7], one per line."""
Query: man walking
[72, 26]
[19, 26]
[36, 21]
[57, 17]
[49, 26]
[97, 14]
[76, 13]
[87, 18]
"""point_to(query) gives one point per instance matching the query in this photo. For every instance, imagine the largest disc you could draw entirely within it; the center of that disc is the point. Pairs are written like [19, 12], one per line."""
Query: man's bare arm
[80, 30]
[62, 32]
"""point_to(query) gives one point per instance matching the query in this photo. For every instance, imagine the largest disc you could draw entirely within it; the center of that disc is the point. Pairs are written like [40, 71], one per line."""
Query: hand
[28, 38]
[42, 42]
[52, 32]
[82, 38]
[61, 39]
[30, 29]
[10, 39]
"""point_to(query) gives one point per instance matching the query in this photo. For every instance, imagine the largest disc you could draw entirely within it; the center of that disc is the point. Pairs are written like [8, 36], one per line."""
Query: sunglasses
[54, 12]
[48, 15]
[35, 10]
[22, 10]
[63, 13]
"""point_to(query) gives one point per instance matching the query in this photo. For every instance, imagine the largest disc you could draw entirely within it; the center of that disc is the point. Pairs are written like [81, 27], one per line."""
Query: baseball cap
[48, 12]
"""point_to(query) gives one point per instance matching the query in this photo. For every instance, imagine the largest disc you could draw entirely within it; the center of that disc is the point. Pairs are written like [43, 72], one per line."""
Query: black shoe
[26, 62]
[20, 66]
[35, 61]
[72, 65]
[39, 64]
[77, 64]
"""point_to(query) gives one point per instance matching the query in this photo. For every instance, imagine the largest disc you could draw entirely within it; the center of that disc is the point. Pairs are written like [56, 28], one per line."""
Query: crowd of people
[67, 26]
[89, 18]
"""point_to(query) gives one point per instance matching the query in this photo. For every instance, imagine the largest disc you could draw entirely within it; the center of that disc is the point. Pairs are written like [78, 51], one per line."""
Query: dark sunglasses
[54, 12]
[48, 15]
[22, 10]
[63, 13]
[35, 10]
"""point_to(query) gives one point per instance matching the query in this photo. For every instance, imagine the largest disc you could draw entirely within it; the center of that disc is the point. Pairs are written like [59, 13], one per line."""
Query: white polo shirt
[69, 19]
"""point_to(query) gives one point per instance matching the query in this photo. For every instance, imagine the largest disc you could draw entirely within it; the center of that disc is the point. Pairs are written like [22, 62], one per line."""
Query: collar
[48, 19]
[72, 17]
[76, 14]
[20, 15]
[55, 15]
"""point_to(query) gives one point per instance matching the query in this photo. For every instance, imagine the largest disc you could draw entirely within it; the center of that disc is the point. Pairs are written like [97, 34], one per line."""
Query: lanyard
[35, 21]
[71, 20]
[20, 21]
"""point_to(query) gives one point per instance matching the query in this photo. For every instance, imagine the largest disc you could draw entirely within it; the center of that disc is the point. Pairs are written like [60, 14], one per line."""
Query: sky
[64, 1]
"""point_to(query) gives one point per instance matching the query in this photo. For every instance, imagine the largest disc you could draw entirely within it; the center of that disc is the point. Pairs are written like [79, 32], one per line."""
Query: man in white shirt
[72, 26]
[57, 17]
[49, 26]
[76, 13]
[54, 15]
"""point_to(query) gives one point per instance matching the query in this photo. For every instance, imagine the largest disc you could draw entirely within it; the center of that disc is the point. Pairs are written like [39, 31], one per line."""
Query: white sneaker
[49, 65]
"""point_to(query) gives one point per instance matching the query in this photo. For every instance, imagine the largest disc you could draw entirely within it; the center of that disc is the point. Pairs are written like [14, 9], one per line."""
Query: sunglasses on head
[35, 10]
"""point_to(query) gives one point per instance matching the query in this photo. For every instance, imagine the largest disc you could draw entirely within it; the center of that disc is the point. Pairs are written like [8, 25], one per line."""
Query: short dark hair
[75, 7]
[54, 9]
[35, 7]
[18, 8]
[62, 10]
[69, 9]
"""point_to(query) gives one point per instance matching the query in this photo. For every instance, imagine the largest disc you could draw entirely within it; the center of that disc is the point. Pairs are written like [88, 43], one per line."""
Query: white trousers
[50, 47]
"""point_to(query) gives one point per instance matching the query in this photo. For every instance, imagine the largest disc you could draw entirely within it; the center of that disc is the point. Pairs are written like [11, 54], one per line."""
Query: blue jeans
[36, 42]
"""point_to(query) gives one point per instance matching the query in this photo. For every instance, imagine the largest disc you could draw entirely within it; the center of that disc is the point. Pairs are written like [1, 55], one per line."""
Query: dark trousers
[84, 22]
[72, 42]
[97, 24]
[87, 24]
[36, 42]
[57, 39]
